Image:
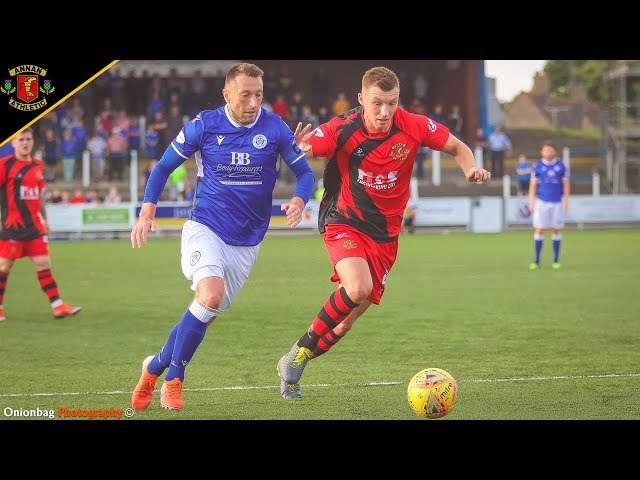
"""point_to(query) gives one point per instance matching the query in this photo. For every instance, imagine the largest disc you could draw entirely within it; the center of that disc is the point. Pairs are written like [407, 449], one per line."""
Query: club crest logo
[195, 257]
[259, 141]
[399, 151]
[349, 244]
[26, 89]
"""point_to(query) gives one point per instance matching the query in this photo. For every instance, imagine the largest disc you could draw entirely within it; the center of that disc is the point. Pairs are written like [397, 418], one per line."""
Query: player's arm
[43, 210]
[183, 146]
[297, 161]
[566, 191]
[463, 156]
[533, 185]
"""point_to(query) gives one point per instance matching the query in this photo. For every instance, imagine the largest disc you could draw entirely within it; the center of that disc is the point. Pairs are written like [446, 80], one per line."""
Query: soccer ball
[432, 393]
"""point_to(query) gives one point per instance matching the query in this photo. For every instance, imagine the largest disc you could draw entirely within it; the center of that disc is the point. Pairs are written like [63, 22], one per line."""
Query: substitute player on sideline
[237, 148]
[24, 221]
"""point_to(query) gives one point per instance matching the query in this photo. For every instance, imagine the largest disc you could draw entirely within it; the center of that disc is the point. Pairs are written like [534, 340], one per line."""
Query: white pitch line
[320, 385]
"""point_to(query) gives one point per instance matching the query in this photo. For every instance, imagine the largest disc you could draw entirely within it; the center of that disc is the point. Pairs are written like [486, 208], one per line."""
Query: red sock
[3, 285]
[325, 343]
[337, 307]
[48, 285]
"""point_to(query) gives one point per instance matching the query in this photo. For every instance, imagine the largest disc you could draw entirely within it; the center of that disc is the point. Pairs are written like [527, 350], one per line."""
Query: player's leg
[218, 272]
[38, 251]
[557, 223]
[190, 332]
[540, 221]
[355, 283]
[361, 266]
[6, 264]
[355, 286]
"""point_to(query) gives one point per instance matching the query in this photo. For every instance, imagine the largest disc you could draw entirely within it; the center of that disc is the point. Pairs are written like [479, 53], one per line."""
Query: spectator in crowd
[134, 133]
[320, 83]
[161, 127]
[340, 104]
[147, 173]
[295, 110]
[56, 196]
[113, 196]
[78, 197]
[417, 106]
[523, 174]
[151, 142]
[499, 147]
[454, 122]
[92, 196]
[480, 141]
[281, 107]
[51, 153]
[438, 114]
[117, 152]
[323, 114]
[177, 179]
[69, 151]
[97, 147]
[174, 119]
[420, 87]
[155, 105]
[308, 117]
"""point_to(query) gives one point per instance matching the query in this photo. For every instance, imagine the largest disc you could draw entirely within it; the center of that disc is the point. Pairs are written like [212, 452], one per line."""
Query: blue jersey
[237, 167]
[549, 177]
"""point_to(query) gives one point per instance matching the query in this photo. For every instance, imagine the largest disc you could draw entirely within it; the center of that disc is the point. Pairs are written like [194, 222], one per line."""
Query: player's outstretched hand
[293, 209]
[478, 175]
[140, 231]
[302, 136]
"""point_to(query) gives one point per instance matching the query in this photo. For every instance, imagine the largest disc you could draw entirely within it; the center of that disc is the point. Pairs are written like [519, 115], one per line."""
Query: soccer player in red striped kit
[371, 151]
[24, 226]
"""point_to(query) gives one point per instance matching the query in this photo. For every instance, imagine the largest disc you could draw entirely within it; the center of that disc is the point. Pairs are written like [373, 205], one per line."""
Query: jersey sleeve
[287, 147]
[297, 161]
[433, 135]
[324, 142]
[563, 173]
[189, 140]
[535, 173]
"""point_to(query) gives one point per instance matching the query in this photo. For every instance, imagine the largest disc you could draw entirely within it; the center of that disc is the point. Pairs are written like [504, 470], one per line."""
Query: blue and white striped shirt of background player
[237, 168]
[549, 176]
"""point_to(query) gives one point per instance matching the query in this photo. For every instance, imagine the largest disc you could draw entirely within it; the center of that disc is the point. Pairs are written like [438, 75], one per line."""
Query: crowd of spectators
[116, 115]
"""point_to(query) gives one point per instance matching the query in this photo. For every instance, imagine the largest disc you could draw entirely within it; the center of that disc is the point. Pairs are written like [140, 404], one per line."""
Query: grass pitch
[523, 345]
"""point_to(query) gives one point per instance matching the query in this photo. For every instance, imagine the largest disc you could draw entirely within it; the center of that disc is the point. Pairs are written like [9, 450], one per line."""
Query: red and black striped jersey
[21, 184]
[367, 176]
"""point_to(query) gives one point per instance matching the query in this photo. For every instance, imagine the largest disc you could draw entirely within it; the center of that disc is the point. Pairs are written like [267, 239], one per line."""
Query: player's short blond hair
[381, 77]
[248, 69]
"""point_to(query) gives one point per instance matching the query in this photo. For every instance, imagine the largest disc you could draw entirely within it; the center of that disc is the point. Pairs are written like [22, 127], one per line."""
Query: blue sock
[556, 247]
[162, 360]
[538, 239]
[190, 333]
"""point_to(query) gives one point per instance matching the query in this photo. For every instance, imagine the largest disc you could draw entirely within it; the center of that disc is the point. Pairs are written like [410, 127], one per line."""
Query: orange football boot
[143, 392]
[64, 310]
[171, 394]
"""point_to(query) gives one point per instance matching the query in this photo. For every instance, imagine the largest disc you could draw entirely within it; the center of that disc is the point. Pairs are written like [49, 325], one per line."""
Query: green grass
[524, 345]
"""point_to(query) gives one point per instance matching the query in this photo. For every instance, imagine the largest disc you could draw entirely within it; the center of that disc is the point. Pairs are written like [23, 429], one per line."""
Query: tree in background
[563, 73]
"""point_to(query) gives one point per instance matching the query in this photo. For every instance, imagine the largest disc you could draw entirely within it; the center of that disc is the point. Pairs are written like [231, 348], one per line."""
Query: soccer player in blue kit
[236, 149]
[549, 201]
